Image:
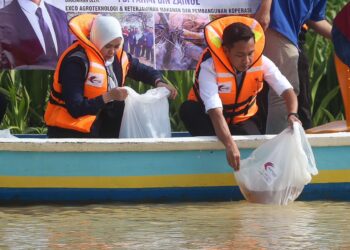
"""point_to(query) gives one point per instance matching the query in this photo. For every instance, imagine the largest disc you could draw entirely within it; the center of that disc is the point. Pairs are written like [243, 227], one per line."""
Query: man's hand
[233, 156]
[222, 131]
[263, 18]
[291, 100]
[293, 118]
[262, 15]
[323, 27]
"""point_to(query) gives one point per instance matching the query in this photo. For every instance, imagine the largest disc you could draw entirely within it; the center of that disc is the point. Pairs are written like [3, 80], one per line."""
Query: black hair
[236, 32]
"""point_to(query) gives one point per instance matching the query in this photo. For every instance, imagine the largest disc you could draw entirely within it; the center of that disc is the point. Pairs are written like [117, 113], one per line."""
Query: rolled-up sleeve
[273, 76]
[208, 88]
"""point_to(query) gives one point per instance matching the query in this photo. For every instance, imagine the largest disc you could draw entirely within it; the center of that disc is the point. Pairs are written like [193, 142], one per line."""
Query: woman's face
[110, 49]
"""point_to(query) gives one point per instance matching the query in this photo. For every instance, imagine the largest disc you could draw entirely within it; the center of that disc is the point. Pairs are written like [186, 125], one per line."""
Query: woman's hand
[115, 94]
[173, 91]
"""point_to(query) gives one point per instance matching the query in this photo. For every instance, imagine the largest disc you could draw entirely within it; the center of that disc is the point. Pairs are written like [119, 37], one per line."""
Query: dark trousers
[149, 54]
[198, 123]
[107, 124]
[304, 97]
[3, 106]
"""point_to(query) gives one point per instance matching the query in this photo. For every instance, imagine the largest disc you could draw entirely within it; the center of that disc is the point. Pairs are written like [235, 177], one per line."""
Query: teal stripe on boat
[113, 163]
[141, 163]
[332, 158]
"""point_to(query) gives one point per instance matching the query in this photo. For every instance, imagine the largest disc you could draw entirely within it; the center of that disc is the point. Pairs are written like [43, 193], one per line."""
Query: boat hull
[148, 170]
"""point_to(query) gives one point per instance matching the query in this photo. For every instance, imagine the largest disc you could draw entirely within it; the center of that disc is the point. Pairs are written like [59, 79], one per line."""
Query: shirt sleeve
[274, 77]
[208, 88]
[72, 78]
[319, 11]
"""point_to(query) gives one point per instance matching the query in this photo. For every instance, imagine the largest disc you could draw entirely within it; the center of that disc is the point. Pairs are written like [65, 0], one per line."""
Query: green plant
[27, 92]
[183, 81]
[18, 98]
[37, 83]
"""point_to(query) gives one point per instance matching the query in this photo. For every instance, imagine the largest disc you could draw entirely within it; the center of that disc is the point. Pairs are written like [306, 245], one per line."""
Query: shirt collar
[30, 7]
[236, 71]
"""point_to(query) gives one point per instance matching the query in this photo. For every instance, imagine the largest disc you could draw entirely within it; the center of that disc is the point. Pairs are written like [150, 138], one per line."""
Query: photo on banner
[165, 34]
[138, 33]
[32, 37]
[179, 40]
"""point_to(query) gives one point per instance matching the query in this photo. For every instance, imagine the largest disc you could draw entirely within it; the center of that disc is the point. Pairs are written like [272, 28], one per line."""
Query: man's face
[241, 54]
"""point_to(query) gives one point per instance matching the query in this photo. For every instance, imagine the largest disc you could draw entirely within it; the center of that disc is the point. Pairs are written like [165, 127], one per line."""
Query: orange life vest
[96, 81]
[239, 103]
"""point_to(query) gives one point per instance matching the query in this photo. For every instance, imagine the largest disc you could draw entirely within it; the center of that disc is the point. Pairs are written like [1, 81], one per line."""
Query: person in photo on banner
[228, 79]
[179, 40]
[87, 96]
[33, 34]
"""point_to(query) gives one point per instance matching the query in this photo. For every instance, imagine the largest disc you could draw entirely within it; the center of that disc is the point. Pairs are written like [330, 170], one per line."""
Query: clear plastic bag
[146, 115]
[6, 133]
[277, 171]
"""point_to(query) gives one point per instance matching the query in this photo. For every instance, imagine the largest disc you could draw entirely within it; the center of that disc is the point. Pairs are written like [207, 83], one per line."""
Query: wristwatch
[295, 114]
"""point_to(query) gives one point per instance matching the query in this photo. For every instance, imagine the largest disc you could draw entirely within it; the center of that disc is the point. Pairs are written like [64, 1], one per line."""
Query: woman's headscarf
[104, 29]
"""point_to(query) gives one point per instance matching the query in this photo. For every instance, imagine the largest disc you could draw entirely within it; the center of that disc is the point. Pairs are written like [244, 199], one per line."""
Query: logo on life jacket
[225, 87]
[95, 79]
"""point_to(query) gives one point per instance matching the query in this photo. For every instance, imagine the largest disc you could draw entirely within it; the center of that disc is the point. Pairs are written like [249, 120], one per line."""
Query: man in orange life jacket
[87, 95]
[228, 78]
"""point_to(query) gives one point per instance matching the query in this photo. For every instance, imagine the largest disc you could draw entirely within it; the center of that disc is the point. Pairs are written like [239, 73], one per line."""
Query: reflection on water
[227, 225]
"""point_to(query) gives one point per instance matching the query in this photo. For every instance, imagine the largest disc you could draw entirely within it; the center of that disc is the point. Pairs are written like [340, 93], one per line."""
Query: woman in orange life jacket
[228, 78]
[87, 95]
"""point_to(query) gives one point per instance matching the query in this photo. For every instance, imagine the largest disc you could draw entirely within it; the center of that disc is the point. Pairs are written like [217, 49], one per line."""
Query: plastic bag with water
[277, 171]
[146, 115]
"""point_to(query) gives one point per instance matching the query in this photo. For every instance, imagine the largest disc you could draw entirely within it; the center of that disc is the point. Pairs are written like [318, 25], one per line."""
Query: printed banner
[178, 6]
[165, 34]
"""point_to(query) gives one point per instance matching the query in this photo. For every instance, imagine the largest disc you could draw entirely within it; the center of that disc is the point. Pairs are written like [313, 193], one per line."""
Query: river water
[216, 225]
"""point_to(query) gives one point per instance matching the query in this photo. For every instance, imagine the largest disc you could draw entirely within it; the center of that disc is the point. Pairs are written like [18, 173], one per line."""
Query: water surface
[215, 225]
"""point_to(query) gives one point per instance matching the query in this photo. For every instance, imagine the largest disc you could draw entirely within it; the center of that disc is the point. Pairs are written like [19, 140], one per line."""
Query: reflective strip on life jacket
[227, 74]
[255, 69]
[97, 65]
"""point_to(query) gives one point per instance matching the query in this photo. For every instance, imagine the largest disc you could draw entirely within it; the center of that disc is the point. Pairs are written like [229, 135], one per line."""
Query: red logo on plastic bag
[268, 165]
